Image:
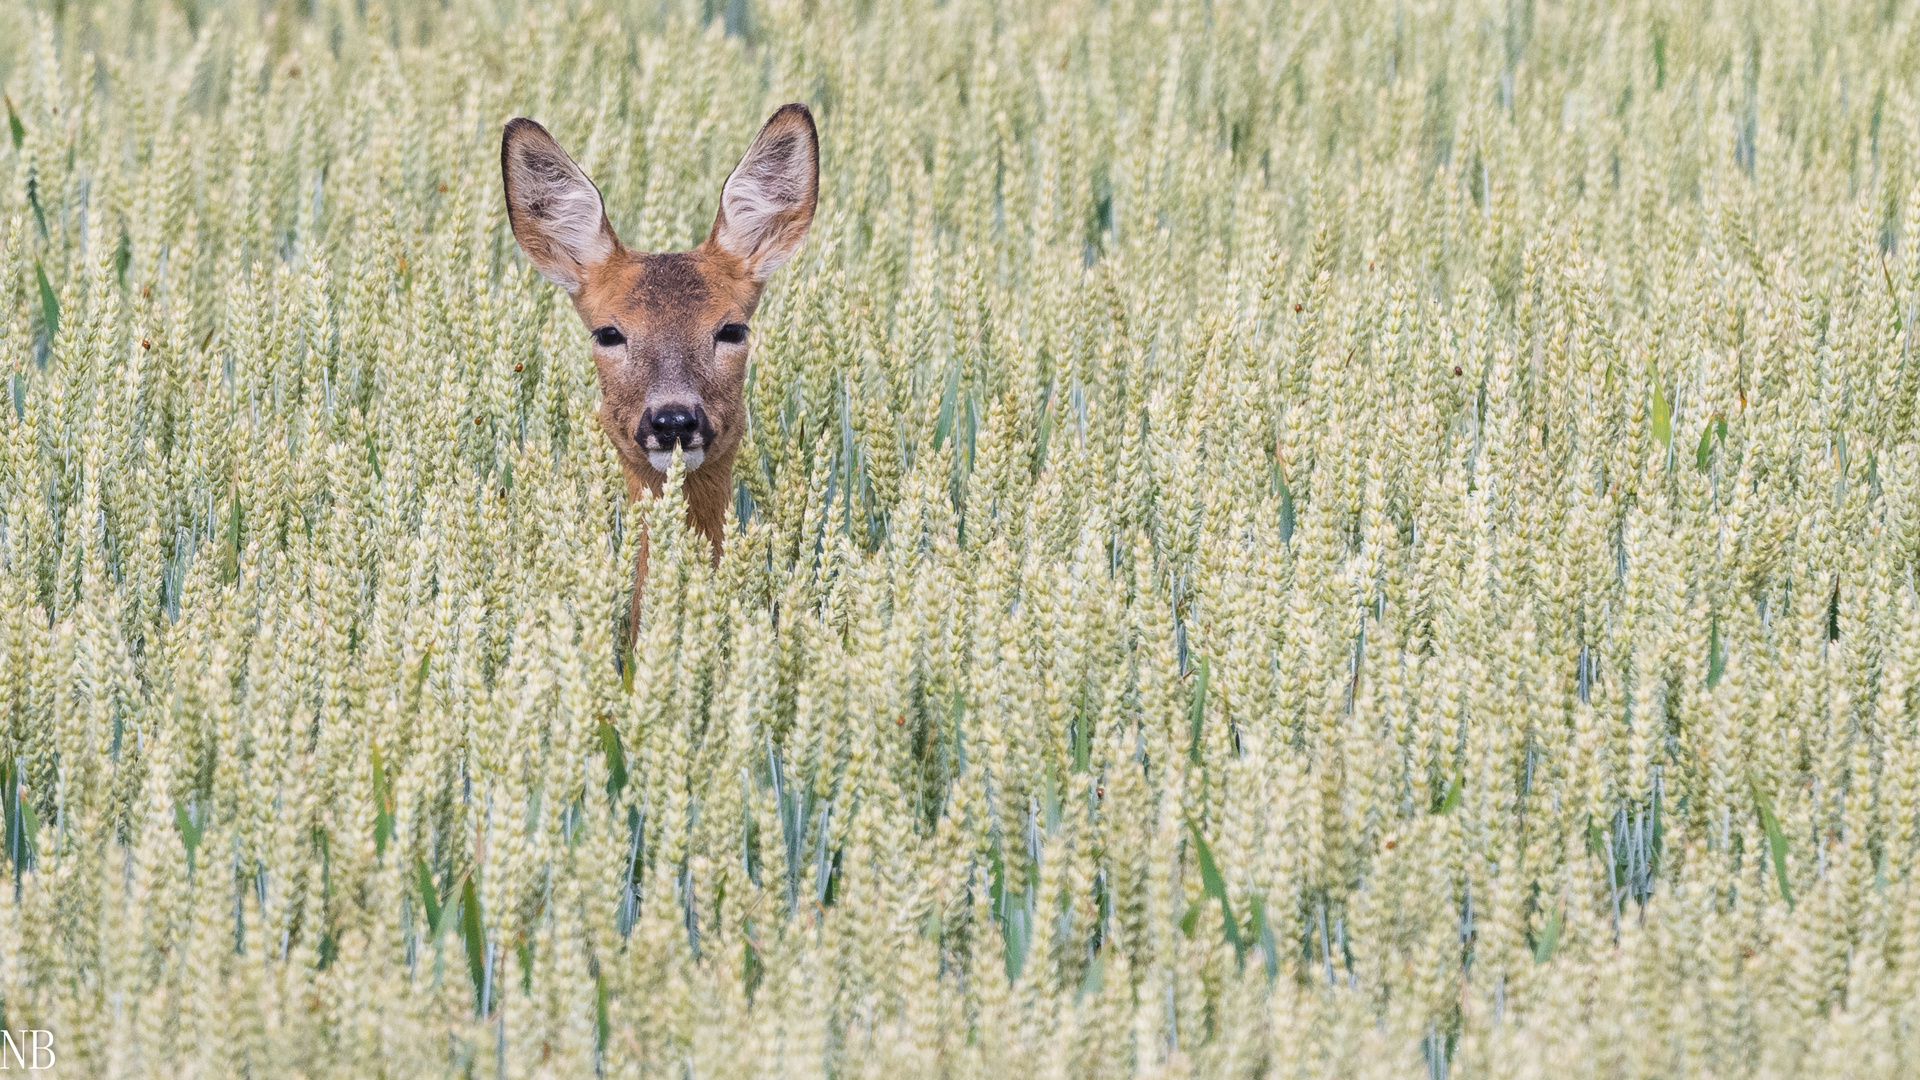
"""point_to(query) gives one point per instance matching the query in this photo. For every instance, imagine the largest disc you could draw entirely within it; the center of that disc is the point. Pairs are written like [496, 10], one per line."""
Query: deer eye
[609, 336]
[731, 334]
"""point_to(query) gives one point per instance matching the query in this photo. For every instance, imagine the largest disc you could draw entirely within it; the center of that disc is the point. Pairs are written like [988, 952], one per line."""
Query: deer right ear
[768, 200]
[555, 210]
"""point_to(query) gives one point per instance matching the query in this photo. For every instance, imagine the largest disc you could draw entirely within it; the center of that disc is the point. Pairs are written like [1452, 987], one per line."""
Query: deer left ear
[555, 211]
[768, 200]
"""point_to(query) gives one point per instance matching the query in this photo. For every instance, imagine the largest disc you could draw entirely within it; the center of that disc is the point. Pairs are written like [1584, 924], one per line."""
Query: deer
[670, 331]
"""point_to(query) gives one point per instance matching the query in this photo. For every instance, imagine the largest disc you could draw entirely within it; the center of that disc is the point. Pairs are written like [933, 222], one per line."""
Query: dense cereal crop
[1336, 539]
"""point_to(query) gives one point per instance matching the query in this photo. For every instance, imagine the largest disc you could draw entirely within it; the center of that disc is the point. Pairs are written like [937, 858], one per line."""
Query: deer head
[670, 331]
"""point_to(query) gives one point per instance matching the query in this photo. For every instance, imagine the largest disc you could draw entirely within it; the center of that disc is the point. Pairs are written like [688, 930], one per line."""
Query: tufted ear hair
[556, 212]
[768, 200]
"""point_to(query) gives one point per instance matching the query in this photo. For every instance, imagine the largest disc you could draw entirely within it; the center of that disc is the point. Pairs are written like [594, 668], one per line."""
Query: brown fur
[669, 307]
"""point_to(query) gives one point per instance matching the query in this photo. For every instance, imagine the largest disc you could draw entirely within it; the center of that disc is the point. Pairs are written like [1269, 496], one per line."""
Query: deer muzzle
[675, 424]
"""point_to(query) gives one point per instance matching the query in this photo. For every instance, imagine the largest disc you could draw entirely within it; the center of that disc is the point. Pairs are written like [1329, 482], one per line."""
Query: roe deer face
[670, 331]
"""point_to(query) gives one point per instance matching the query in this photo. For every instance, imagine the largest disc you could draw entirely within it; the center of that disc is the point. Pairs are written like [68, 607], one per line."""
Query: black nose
[670, 424]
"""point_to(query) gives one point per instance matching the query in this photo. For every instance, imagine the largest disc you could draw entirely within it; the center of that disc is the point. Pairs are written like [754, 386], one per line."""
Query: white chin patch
[662, 460]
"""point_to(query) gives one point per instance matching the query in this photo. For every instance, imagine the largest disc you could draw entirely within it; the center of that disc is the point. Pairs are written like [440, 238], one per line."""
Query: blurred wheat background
[1361, 539]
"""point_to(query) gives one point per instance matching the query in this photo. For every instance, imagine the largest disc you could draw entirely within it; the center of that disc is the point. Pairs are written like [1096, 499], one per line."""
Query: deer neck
[708, 490]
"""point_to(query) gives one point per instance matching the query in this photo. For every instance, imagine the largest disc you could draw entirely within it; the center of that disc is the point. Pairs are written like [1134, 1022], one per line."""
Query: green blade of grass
[473, 933]
[616, 759]
[1549, 938]
[429, 899]
[1197, 710]
[1776, 841]
[1215, 885]
[183, 821]
[49, 303]
[383, 804]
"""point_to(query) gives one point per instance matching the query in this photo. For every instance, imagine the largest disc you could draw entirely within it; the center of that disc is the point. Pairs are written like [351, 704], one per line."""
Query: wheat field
[1362, 539]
